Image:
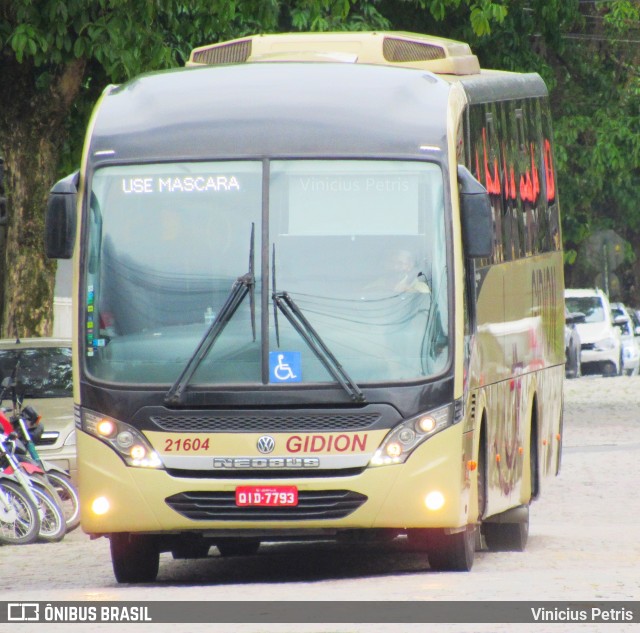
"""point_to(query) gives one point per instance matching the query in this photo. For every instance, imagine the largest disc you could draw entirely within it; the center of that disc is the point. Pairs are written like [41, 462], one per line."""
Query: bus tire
[446, 552]
[134, 558]
[452, 552]
[506, 537]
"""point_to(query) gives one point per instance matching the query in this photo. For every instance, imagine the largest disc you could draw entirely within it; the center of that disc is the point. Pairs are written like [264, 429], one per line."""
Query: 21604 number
[186, 445]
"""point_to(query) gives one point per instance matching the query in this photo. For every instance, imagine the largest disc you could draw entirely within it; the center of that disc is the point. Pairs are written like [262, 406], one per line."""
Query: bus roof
[272, 109]
[450, 59]
[276, 100]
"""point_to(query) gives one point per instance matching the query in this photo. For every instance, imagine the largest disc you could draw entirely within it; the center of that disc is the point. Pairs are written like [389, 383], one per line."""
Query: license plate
[266, 496]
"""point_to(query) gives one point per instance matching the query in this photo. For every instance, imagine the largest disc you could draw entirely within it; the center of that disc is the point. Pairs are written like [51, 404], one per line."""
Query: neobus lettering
[266, 462]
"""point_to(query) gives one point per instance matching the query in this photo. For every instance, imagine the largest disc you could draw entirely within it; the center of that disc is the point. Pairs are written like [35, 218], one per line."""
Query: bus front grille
[243, 422]
[276, 473]
[221, 506]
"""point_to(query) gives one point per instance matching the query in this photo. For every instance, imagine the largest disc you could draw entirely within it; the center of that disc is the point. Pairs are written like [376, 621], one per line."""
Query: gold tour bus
[319, 295]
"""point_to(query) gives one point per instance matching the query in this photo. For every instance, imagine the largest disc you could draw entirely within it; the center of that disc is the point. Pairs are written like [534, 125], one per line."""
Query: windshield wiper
[293, 314]
[242, 286]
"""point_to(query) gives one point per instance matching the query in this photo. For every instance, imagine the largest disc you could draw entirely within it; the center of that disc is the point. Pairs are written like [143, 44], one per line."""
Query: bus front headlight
[402, 440]
[132, 447]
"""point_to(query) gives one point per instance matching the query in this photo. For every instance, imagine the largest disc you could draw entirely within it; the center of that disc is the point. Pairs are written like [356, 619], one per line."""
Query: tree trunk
[31, 135]
[29, 276]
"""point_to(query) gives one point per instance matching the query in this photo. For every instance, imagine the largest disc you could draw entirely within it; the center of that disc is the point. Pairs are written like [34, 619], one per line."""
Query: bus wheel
[134, 558]
[506, 537]
[452, 552]
[447, 552]
[238, 547]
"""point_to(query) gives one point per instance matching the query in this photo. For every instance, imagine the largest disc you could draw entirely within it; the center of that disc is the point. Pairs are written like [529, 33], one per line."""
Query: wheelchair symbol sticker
[285, 367]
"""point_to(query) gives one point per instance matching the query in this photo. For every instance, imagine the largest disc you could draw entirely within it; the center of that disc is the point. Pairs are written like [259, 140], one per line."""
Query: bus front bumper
[117, 498]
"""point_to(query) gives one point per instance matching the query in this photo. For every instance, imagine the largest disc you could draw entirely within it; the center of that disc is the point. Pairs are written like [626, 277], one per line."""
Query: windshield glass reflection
[359, 246]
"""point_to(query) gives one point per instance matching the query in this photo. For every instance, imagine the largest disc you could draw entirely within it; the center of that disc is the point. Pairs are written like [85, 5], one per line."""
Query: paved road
[583, 546]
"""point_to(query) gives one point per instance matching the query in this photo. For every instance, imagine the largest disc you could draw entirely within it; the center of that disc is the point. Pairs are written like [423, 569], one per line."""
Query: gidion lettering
[327, 443]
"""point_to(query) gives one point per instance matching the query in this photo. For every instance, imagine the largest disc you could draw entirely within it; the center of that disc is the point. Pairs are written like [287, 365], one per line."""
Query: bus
[319, 295]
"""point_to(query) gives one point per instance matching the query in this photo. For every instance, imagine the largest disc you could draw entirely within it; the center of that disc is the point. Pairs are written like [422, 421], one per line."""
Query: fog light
[434, 500]
[100, 505]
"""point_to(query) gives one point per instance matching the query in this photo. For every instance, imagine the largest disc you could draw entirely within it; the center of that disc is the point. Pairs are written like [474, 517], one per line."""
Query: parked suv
[45, 380]
[601, 346]
[630, 347]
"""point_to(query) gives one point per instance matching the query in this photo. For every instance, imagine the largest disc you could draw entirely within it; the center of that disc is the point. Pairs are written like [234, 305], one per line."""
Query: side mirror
[476, 215]
[60, 223]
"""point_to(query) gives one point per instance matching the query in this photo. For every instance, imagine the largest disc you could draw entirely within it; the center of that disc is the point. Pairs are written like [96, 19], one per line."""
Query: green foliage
[483, 13]
[119, 39]
[587, 52]
[622, 15]
[598, 117]
[588, 55]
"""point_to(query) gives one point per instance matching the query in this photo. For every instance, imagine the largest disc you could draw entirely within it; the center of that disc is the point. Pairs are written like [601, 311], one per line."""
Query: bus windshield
[358, 246]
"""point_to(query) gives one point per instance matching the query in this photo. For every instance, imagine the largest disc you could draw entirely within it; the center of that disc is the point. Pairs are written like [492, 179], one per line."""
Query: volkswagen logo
[266, 444]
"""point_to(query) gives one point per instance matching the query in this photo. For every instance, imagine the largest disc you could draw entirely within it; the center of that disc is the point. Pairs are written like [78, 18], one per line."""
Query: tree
[57, 55]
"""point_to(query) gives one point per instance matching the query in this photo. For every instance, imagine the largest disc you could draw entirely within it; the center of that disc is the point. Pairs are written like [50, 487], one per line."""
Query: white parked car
[601, 341]
[630, 347]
